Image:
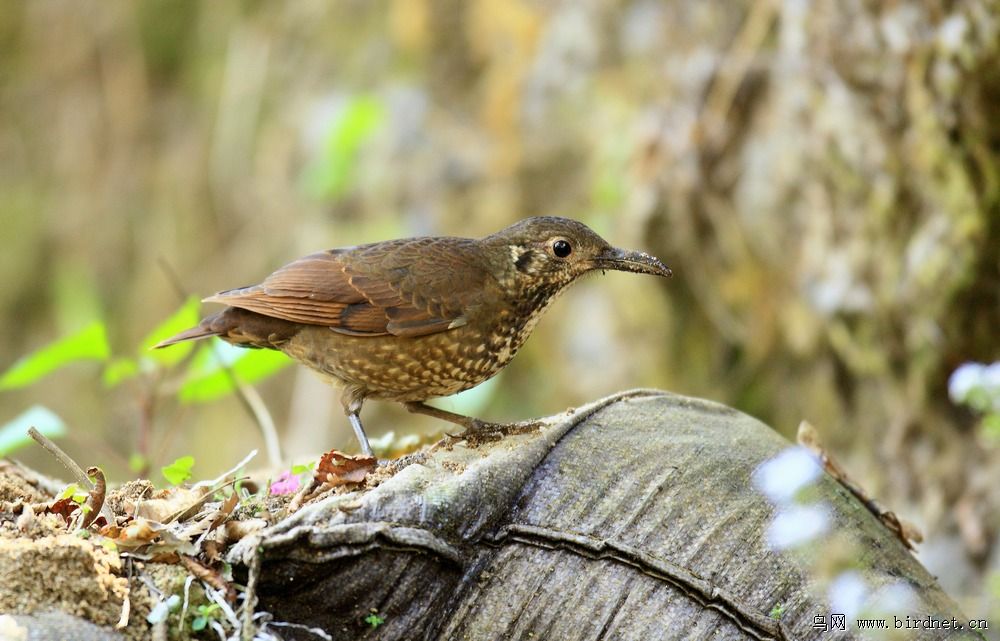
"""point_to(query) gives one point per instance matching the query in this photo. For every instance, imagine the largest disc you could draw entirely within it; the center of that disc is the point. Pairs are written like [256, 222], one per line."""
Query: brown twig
[78, 474]
[189, 511]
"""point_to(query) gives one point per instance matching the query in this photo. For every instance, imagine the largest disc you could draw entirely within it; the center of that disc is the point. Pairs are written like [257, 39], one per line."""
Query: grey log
[632, 518]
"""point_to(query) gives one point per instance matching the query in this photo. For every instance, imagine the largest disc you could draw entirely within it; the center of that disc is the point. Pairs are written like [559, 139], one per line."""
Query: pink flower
[287, 483]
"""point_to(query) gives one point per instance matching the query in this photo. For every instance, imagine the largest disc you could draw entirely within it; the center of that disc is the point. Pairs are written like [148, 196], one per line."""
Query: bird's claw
[481, 432]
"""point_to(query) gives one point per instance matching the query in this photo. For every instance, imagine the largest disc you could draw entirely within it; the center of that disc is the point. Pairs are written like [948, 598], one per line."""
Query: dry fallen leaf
[336, 469]
[64, 508]
[166, 503]
[136, 534]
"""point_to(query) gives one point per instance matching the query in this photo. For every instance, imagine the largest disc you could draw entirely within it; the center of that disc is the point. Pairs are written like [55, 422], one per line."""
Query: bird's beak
[631, 261]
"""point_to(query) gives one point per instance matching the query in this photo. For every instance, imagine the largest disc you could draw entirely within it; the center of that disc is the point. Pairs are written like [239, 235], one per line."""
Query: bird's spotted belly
[407, 369]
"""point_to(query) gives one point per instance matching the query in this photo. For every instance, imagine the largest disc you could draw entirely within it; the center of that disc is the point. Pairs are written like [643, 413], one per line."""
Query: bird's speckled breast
[415, 369]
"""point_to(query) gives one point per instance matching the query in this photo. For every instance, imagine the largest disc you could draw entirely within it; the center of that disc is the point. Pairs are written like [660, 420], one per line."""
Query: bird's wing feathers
[404, 288]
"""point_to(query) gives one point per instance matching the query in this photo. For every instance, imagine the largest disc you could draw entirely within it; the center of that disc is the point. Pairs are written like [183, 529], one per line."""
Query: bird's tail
[241, 328]
[204, 330]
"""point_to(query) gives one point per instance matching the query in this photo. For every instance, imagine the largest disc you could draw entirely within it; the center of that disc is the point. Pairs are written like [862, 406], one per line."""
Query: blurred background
[823, 177]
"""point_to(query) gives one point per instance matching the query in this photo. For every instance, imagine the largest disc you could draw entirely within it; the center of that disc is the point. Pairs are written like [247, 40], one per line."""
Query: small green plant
[74, 493]
[203, 614]
[304, 468]
[374, 620]
[178, 471]
[777, 611]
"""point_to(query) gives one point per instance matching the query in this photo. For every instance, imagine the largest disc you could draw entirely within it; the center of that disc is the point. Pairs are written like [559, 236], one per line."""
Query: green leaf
[14, 435]
[374, 620]
[119, 370]
[199, 623]
[207, 379]
[73, 492]
[302, 469]
[184, 318]
[331, 174]
[90, 343]
[178, 471]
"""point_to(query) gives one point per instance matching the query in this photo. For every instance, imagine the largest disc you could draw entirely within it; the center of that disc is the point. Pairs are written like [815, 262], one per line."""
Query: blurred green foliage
[214, 372]
[330, 173]
[88, 344]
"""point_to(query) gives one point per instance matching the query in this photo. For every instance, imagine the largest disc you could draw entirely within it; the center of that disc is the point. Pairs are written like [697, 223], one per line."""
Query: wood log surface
[635, 517]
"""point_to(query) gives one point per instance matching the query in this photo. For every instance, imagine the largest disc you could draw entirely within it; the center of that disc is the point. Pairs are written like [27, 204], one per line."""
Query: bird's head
[554, 252]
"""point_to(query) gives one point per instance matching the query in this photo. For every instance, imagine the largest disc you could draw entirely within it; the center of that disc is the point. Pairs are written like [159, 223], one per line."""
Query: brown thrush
[411, 319]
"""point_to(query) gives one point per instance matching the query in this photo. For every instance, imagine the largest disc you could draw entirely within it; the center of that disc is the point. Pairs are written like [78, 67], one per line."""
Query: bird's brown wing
[409, 287]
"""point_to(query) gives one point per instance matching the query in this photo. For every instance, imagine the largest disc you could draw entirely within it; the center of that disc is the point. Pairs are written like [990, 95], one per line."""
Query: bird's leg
[353, 398]
[476, 431]
[469, 423]
[359, 432]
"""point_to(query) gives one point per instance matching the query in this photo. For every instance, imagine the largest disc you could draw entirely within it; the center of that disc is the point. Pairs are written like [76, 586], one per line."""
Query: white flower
[781, 477]
[963, 380]
[796, 525]
[847, 594]
[893, 598]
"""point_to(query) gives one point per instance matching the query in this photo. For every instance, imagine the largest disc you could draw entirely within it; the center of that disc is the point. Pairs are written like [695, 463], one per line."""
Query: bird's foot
[481, 432]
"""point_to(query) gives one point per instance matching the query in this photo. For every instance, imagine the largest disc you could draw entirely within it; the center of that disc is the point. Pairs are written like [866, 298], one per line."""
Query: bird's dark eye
[562, 248]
